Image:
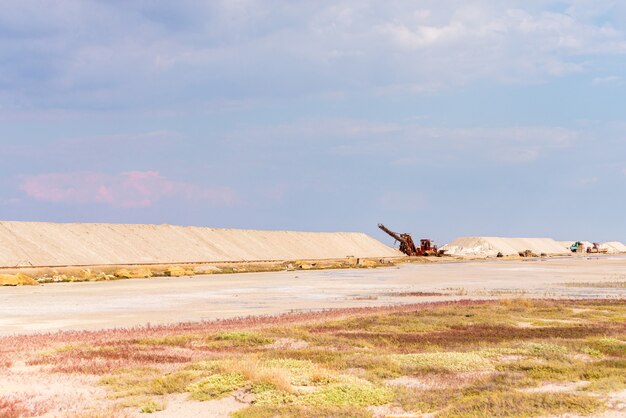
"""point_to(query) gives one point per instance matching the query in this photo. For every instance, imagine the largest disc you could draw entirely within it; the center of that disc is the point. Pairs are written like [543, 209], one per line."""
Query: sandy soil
[98, 305]
[179, 406]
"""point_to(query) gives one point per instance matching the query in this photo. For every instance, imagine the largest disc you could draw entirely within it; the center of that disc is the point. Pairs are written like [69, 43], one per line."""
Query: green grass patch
[274, 397]
[299, 411]
[351, 393]
[609, 346]
[327, 358]
[545, 371]
[173, 340]
[209, 366]
[129, 382]
[216, 386]
[150, 406]
[234, 339]
[605, 375]
[173, 383]
[517, 404]
[443, 362]
[467, 360]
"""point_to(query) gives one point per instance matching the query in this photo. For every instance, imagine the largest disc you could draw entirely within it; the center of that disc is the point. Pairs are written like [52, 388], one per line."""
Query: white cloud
[504, 145]
[409, 143]
[149, 54]
[607, 81]
[133, 189]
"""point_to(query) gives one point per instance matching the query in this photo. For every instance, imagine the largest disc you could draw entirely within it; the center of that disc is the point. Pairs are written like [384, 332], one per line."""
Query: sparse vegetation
[299, 411]
[40, 275]
[618, 284]
[516, 404]
[216, 386]
[353, 392]
[466, 359]
[442, 362]
[16, 406]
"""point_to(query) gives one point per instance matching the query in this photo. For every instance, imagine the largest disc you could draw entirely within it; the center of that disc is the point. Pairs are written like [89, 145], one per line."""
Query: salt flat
[125, 303]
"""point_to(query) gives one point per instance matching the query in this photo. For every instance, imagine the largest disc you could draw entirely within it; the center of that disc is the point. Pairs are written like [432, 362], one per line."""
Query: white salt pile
[491, 246]
[53, 244]
[614, 247]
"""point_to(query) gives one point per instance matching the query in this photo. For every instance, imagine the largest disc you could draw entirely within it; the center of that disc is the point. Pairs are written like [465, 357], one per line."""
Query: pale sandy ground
[97, 305]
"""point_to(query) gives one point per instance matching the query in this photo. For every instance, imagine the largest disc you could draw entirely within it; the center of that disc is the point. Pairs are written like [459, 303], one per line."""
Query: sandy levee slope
[491, 246]
[55, 244]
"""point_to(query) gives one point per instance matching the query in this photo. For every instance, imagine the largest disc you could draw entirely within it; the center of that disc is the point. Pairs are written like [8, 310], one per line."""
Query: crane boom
[394, 235]
[407, 246]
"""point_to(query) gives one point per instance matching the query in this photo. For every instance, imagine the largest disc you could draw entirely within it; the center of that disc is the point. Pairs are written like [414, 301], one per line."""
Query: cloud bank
[137, 54]
[134, 189]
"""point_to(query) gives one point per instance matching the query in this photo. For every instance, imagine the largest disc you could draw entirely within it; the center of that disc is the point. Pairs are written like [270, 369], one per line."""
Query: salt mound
[491, 246]
[614, 247]
[53, 244]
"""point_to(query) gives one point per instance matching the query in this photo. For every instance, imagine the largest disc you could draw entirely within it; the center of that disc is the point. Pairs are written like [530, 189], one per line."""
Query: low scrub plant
[301, 411]
[518, 404]
[150, 405]
[173, 383]
[273, 397]
[216, 386]
[443, 362]
[453, 358]
[352, 393]
[169, 340]
[609, 346]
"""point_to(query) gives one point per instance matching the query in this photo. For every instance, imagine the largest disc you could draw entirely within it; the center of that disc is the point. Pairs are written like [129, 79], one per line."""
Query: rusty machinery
[596, 249]
[407, 246]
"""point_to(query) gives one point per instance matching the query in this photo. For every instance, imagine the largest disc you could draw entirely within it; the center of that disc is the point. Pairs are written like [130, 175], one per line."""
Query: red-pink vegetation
[5, 361]
[101, 360]
[105, 350]
[101, 352]
[79, 354]
[413, 294]
[17, 406]
[35, 342]
[480, 333]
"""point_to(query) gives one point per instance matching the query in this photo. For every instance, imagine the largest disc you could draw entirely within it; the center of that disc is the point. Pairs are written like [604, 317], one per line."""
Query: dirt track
[97, 305]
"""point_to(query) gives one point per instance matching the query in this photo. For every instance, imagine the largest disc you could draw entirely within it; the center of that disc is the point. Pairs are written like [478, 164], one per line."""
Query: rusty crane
[407, 246]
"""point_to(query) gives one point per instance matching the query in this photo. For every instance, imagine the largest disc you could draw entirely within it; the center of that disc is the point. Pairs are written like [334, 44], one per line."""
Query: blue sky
[441, 118]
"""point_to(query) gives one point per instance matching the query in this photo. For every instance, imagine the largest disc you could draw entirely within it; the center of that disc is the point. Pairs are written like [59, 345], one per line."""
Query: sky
[440, 118]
